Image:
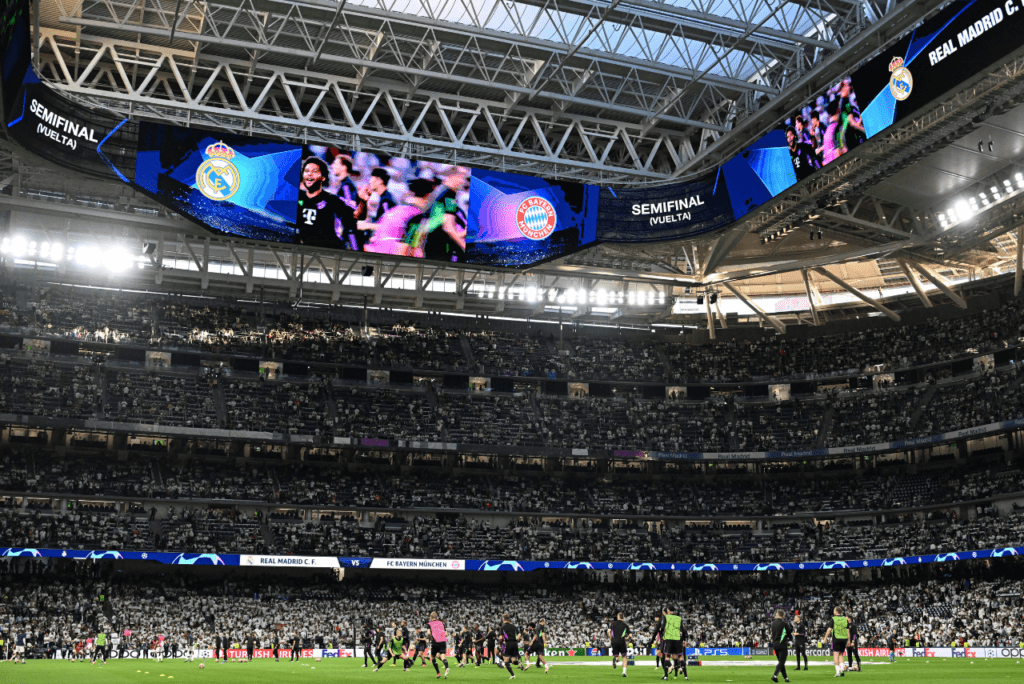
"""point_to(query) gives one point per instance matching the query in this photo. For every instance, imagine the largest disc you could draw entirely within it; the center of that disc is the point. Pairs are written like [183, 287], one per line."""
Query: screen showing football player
[324, 220]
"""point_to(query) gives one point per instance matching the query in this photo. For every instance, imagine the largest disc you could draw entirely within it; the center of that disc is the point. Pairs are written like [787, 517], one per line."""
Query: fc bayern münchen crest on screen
[900, 82]
[535, 218]
[217, 178]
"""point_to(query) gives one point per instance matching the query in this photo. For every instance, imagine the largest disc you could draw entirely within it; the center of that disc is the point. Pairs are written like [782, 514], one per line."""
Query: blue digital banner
[231, 183]
[665, 212]
[963, 39]
[256, 560]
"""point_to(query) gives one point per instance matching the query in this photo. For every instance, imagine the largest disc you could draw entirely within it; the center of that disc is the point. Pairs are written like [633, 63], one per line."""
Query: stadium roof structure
[613, 92]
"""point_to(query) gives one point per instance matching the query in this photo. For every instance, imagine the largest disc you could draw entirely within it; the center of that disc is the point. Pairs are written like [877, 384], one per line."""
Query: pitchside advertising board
[308, 194]
[496, 565]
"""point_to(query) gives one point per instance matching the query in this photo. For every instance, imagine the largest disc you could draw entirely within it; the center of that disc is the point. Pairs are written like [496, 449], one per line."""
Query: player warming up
[674, 648]
[538, 646]
[838, 634]
[799, 642]
[617, 633]
[438, 644]
[510, 636]
[781, 633]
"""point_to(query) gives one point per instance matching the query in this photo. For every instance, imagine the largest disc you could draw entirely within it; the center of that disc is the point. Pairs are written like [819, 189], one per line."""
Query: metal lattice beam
[602, 90]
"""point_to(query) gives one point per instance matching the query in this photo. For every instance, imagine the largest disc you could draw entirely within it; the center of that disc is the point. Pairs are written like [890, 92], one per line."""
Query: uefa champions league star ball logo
[900, 80]
[217, 178]
[535, 218]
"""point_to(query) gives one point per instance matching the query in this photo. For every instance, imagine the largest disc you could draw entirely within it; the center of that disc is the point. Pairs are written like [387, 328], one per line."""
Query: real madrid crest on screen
[535, 218]
[900, 82]
[217, 178]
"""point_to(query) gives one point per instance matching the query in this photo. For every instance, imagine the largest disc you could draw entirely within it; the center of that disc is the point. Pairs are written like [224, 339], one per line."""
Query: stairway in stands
[663, 355]
[220, 403]
[730, 421]
[467, 349]
[540, 418]
[826, 427]
[922, 404]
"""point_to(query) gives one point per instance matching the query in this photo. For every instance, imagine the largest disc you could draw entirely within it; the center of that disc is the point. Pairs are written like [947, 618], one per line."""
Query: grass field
[563, 671]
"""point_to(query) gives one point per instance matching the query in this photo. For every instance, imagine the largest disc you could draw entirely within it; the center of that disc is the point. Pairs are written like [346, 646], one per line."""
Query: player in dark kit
[478, 644]
[657, 641]
[492, 638]
[276, 643]
[369, 636]
[510, 635]
[617, 633]
[381, 647]
[323, 219]
[462, 641]
[893, 645]
[852, 651]
[421, 648]
[805, 161]
[527, 635]
[782, 631]
[799, 642]
[538, 646]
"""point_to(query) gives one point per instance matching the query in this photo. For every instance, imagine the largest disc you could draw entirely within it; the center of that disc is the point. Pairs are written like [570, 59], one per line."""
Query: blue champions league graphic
[497, 565]
[768, 566]
[516, 220]
[234, 184]
[198, 559]
[759, 173]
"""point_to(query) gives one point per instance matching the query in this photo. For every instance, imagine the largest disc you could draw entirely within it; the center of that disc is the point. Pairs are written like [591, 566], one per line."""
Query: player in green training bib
[674, 648]
[839, 633]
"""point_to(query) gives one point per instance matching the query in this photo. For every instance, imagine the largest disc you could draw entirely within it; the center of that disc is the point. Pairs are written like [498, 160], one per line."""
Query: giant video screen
[371, 202]
[356, 200]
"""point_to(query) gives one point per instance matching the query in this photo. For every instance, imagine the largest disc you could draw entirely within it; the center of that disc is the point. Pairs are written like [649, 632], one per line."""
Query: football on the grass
[202, 665]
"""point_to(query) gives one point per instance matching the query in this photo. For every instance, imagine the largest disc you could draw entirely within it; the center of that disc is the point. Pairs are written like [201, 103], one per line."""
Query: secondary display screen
[825, 129]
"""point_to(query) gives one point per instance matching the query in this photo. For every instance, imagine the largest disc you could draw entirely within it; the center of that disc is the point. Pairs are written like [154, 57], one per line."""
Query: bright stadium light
[19, 247]
[531, 294]
[87, 256]
[631, 298]
[118, 260]
[963, 210]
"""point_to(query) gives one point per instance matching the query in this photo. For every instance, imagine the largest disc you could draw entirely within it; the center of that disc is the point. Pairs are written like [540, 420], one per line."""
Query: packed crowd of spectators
[54, 608]
[324, 406]
[653, 538]
[238, 328]
[40, 474]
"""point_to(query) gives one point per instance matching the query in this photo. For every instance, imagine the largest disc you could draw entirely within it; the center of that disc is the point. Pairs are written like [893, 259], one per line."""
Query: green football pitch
[563, 671]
